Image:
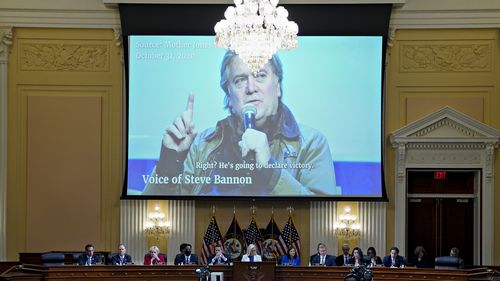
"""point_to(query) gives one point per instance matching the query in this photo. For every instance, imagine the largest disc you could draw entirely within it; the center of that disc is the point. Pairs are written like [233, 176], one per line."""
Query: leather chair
[76, 255]
[52, 259]
[447, 262]
[109, 257]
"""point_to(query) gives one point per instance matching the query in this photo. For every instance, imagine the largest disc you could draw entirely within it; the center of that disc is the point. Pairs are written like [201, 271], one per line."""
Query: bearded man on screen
[274, 155]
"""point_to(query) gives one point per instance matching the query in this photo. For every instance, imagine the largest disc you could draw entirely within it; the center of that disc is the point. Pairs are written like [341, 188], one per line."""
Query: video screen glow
[321, 139]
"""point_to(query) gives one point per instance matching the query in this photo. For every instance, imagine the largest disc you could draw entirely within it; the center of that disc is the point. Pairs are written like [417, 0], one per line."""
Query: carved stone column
[5, 42]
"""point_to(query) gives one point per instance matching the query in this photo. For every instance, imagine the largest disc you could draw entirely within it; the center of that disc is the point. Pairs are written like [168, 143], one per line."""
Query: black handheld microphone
[249, 111]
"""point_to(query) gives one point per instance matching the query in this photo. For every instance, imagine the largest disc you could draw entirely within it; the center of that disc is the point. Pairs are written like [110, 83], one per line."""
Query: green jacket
[302, 162]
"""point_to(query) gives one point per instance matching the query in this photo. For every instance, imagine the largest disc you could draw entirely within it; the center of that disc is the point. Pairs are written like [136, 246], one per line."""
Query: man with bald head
[344, 259]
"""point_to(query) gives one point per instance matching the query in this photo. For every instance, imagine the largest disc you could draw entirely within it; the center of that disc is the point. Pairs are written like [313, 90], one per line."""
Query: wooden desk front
[187, 272]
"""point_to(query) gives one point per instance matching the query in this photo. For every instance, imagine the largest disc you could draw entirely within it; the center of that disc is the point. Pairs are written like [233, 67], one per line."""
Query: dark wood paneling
[187, 272]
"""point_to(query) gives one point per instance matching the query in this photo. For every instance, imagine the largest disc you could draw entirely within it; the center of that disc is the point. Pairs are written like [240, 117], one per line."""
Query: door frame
[476, 196]
[447, 139]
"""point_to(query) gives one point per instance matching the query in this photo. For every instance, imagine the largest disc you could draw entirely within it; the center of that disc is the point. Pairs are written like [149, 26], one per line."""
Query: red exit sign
[440, 175]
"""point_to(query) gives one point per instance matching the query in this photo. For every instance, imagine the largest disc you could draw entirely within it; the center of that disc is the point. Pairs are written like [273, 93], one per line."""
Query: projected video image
[201, 123]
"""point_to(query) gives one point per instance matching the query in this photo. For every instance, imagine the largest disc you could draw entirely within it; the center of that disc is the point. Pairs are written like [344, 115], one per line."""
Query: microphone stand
[203, 273]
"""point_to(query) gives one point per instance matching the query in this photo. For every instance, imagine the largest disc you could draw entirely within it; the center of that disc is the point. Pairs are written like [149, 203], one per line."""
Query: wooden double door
[441, 212]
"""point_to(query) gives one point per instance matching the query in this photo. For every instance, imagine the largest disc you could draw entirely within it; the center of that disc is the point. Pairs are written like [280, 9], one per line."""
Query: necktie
[218, 260]
[322, 261]
[121, 260]
[187, 259]
[89, 261]
[345, 260]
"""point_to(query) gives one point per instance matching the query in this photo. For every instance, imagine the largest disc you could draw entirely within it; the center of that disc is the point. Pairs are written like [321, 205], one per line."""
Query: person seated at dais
[154, 257]
[357, 257]
[345, 258]
[122, 257]
[251, 254]
[394, 259]
[185, 257]
[291, 258]
[88, 258]
[421, 259]
[374, 259]
[322, 258]
[218, 257]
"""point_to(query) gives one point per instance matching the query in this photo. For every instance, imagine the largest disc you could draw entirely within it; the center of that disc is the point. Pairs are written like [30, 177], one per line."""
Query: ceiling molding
[406, 14]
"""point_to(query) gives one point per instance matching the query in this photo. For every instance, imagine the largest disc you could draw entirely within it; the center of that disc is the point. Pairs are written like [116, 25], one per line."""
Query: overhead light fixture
[346, 227]
[156, 226]
[256, 30]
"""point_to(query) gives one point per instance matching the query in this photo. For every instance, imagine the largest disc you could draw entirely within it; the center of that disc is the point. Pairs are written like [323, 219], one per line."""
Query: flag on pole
[253, 236]
[289, 238]
[271, 235]
[234, 240]
[211, 238]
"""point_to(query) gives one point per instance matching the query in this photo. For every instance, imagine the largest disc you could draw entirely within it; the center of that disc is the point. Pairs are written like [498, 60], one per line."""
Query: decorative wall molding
[58, 14]
[446, 122]
[430, 14]
[64, 57]
[323, 216]
[114, 2]
[373, 221]
[5, 43]
[407, 14]
[465, 57]
[448, 139]
[133, 214]
[181, 213]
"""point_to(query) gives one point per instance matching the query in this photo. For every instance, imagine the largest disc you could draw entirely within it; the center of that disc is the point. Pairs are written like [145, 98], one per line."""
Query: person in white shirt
[251, 255]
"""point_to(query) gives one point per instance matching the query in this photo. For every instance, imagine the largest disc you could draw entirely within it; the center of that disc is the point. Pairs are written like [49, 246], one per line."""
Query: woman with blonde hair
[251, 254]
[154, 257]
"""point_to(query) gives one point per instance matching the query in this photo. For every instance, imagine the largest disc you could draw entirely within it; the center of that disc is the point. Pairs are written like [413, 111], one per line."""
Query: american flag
[289, 238]
[253, 236]
[211, 238]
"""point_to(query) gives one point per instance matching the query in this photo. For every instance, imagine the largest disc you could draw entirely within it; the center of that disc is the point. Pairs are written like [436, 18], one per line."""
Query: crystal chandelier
[347, 227]
[155, 226]
[256, 30]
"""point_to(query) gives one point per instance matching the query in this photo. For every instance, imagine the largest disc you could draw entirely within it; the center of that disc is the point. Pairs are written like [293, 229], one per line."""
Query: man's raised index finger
[189, 106]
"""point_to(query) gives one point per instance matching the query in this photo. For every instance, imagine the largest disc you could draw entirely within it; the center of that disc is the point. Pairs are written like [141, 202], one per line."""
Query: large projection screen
[332, 86]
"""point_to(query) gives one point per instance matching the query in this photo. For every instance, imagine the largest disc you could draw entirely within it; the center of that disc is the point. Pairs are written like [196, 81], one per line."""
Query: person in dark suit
[421, 259]
[185, 257]
[374, 260]
[218, 257]
[122, 258]
[394, 259]
[322, 258]
[88, 258]
[345, 258]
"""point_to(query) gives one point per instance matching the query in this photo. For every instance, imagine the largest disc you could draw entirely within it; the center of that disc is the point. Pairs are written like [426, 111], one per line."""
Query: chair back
[76, 255]
[52, 259]
[447, 262]
[109, 258]
[366, 259]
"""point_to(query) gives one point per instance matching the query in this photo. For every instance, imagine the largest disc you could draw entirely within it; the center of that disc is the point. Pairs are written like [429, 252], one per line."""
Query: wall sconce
[346, 227]
[156, 226]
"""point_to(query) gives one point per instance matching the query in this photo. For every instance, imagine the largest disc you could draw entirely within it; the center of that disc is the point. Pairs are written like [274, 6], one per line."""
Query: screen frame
[313, 19]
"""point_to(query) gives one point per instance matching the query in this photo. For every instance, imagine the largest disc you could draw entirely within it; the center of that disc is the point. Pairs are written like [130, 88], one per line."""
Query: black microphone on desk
[249, 111]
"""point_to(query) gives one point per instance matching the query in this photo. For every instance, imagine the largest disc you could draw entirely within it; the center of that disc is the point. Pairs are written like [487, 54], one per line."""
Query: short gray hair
[228, 60]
